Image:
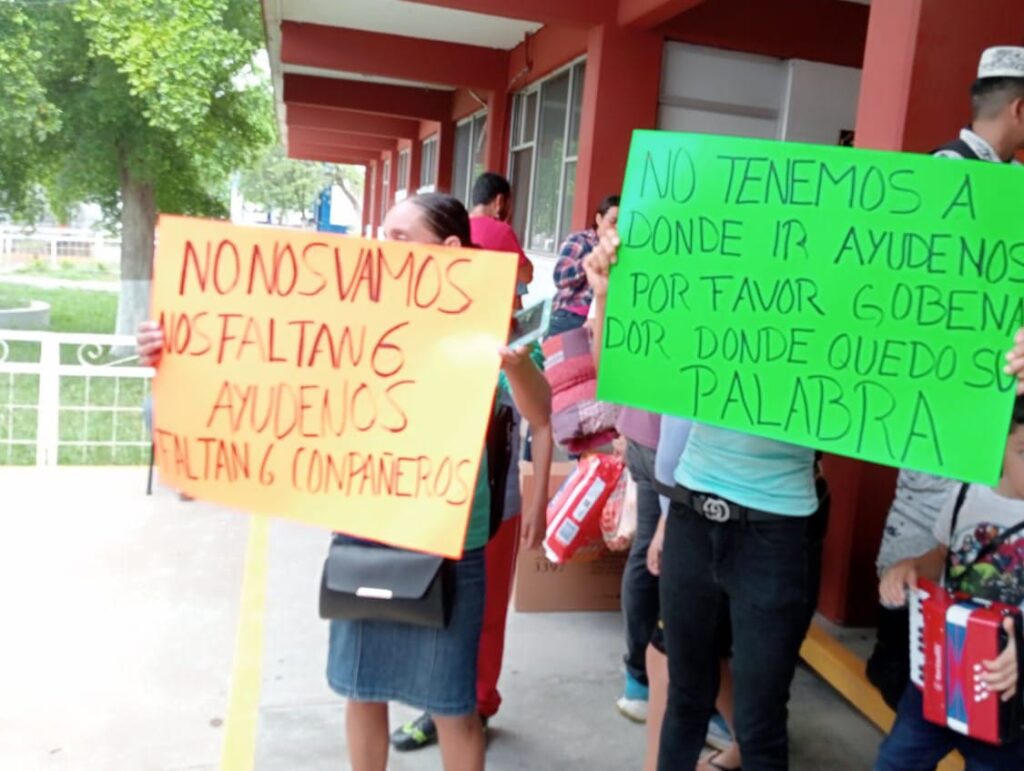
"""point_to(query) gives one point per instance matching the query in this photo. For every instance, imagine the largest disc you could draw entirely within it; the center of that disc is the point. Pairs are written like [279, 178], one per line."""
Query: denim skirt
[429, 669]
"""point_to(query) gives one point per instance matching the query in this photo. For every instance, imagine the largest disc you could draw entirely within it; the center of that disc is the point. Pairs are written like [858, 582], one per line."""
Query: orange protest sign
[338, 381]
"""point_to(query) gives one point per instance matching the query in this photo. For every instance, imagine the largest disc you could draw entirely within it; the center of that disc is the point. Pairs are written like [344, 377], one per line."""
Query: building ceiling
[397, 17]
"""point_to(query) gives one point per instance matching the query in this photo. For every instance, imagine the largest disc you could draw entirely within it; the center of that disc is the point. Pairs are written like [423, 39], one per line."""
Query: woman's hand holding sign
[598, 264]
[149, 343]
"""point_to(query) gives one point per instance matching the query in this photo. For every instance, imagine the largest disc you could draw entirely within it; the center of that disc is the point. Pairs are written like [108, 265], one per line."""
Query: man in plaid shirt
[574, 295]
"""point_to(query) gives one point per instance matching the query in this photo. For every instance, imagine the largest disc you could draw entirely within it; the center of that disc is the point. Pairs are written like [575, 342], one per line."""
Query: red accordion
[951, 635]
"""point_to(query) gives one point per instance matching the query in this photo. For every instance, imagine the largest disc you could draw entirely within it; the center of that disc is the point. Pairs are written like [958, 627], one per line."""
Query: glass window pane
[568, 197]
[517, 119]
[550, 156]
[530, 116]
[428, 163]
[479, 147]
[576, 111]
[522, 160]
[460, 162]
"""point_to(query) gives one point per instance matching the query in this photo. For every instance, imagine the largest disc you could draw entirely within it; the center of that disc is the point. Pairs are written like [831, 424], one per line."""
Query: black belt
[715, 509]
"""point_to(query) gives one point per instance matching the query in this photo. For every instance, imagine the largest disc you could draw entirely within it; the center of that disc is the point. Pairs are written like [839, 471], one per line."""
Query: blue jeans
[764, 575]
[640, 603]
[564, 321]
[918, 745]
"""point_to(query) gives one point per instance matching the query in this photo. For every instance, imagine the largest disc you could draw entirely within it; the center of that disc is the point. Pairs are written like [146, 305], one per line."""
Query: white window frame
[385, 189]
[470, 179]
[428, 172]
[515, 146]
[402, 192]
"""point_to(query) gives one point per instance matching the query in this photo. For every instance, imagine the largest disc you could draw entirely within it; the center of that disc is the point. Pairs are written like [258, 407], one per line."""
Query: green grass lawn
[71, 311]
[71, 269]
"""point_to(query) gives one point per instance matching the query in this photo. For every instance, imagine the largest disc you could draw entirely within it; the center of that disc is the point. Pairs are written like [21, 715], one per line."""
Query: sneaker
[415, 735]
[633, 701]
[718, 737]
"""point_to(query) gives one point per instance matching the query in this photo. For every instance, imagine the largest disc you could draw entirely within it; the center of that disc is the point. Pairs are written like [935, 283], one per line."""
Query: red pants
[500, 561]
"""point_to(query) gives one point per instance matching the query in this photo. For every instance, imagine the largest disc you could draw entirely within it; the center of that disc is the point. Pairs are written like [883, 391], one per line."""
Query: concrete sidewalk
[124, 611]
[45, 282]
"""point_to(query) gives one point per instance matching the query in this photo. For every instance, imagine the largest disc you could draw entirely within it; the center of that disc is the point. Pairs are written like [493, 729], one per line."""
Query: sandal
[710, 760]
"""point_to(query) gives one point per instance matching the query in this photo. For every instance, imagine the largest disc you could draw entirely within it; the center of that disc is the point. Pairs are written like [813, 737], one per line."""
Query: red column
[620, 94]
[496, 156]
[445, 156]
[920, 60]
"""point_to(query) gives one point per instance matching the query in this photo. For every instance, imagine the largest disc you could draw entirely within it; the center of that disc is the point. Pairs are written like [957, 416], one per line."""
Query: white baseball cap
[1002, 62]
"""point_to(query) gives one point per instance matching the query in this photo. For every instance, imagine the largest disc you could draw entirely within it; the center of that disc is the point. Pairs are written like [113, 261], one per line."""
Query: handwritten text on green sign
[854, 301]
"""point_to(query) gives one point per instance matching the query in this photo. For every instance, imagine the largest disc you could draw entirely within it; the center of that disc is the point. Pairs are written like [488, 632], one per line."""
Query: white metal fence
[54, 246]
[71, 399]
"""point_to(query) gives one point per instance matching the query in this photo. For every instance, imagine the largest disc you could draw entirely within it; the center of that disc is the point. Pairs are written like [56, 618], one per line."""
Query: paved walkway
[45, 282]
[119, 650]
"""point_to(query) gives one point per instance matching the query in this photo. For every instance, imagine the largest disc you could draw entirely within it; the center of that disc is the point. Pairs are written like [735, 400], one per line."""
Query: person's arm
[598, 264]
[1015, 360]
[657, 546]
[530, 389]
[535, 520]
[893, 587]
[569, 273]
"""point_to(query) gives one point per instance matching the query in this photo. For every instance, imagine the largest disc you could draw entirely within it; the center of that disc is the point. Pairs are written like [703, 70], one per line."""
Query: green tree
[283, 185]
[351, 180]
[142, 106]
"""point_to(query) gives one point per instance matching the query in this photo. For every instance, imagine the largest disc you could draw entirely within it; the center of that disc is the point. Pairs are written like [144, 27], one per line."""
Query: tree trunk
[357, 205]
[138, 231]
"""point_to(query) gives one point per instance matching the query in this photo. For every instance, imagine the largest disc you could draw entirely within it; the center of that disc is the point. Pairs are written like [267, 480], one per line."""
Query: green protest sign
[853, 301]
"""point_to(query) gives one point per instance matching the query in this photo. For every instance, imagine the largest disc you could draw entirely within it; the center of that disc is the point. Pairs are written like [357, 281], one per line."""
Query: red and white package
[574, 514]
[619, 517]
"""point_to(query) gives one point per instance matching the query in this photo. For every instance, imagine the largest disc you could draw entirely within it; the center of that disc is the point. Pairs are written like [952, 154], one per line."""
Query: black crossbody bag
[366, 581]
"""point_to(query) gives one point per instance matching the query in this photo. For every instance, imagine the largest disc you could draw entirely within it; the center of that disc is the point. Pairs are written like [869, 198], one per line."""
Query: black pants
[639, 585]
[889, 666]
[765, 575]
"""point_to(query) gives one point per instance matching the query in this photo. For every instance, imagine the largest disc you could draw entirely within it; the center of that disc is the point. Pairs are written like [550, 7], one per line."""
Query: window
[403, 175]
[470, 155]
[545, 147]
[385, 189]
[428, 165]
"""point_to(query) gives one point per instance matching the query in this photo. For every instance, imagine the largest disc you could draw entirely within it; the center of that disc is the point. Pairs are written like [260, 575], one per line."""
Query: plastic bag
[618, 520]
[574, 514]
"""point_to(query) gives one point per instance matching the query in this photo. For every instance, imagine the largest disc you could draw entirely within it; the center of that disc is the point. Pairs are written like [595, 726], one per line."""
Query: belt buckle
[716, 510]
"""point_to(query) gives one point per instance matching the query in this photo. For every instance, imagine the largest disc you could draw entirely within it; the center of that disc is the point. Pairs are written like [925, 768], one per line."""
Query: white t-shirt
[984, 516]
[917, 504]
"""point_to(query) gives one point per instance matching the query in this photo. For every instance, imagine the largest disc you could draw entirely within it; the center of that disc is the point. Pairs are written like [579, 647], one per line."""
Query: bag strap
[986, 551]
[961, 496]
[500, 440]
[961, 148]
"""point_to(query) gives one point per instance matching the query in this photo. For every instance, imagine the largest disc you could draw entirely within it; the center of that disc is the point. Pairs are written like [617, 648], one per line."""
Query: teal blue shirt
[479, 530]
[754, 472]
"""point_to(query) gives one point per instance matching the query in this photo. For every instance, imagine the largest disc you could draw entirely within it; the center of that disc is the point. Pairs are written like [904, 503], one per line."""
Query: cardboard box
[590, 581]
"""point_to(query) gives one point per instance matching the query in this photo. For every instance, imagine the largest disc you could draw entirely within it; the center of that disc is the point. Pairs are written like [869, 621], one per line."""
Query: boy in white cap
[995, 135]
[997, 97]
